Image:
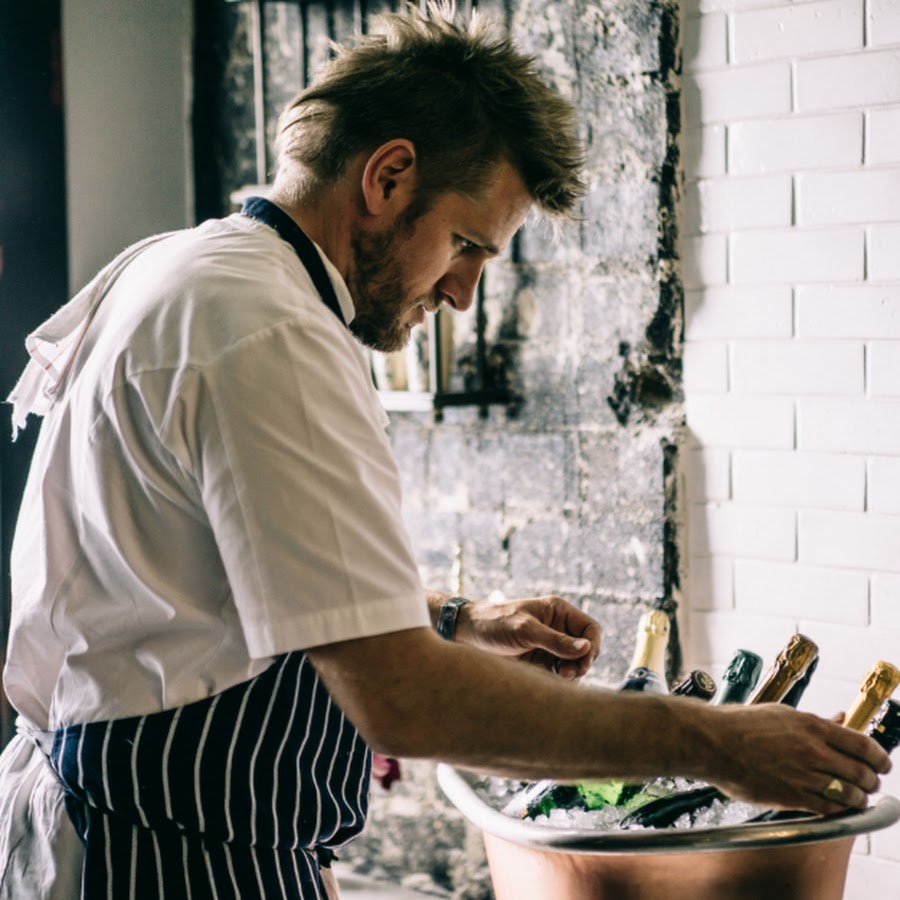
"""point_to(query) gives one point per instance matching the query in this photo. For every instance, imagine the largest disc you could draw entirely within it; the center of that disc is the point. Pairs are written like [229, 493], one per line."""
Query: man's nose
[458, 285]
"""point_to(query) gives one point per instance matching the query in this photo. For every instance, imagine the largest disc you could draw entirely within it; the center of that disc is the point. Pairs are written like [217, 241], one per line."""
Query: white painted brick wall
[884, 22]
[726, 204]
[884, 488]
[854, 540]
[799, 143]
[885, 608]
[732, 312]
[804, 592]
[705, 260]
[791, 253]
[730, 420]
[835, 198]
[883, 359]
[840, 82]
[884, 134]
[883, 258]
[756, 91]
[751, 531]
[704, 40]
[711, 582]
[848, 311]
[708, 474]
[797, 367]
[797, 256]
[704, 150]
[797, 30]
[779, 478]
[706, 366]
[849, 426]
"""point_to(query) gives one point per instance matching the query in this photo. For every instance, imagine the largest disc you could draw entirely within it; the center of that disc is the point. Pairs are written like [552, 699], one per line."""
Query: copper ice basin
[797, 860]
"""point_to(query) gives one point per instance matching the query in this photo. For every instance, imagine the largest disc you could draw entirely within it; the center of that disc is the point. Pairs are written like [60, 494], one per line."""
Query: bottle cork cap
[878, 684]
[883, 677]
[789, 667]
[799, 653]
[656, 622]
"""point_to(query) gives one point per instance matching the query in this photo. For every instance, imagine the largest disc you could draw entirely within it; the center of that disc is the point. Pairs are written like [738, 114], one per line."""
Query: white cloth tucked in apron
[42, 851]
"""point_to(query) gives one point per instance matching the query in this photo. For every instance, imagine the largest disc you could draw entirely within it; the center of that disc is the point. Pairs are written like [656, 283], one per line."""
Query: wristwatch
[446, 625]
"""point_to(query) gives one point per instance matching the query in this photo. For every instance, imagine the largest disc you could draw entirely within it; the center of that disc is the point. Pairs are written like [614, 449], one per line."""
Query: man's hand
[776, 755]
[547, 631]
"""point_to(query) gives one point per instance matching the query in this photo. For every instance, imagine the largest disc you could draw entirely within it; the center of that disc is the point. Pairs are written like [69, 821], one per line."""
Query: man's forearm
[412, 694]
[463, 706]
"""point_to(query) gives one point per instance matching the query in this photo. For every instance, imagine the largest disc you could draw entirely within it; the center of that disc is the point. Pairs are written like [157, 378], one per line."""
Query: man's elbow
[398, 732]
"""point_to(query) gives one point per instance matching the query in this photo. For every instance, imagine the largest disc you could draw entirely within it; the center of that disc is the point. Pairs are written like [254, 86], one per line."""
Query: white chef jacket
[212, 487]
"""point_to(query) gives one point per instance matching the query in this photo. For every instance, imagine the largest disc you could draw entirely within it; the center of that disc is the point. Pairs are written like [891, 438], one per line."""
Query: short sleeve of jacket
[302, 492]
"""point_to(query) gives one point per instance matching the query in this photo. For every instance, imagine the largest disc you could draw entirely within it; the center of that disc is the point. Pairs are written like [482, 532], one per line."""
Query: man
[216, 608]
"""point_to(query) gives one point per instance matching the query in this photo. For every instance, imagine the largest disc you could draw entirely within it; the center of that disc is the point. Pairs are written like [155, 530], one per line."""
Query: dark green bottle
[740, 677]
[795, 694]
[885, 726]
[542, 797]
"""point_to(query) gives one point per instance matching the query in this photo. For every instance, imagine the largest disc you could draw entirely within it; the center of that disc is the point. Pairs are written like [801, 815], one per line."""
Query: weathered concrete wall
[572, 492]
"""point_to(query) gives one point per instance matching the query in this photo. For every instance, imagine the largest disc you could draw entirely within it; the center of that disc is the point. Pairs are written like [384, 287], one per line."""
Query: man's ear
[389, 177]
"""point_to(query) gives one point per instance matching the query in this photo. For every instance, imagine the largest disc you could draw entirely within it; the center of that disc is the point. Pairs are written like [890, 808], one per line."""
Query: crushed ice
[497, 792]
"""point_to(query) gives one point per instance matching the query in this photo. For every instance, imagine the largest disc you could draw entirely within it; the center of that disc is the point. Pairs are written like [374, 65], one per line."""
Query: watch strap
[448, 616]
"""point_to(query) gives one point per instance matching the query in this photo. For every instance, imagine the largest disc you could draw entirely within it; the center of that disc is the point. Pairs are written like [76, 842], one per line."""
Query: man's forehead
[499, 209]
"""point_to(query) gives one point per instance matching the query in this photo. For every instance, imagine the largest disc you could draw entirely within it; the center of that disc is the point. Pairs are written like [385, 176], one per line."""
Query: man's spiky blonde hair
[462, 93]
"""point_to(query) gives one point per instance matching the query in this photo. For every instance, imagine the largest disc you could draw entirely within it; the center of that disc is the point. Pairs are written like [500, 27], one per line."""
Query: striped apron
[240, 796]
[235, 797]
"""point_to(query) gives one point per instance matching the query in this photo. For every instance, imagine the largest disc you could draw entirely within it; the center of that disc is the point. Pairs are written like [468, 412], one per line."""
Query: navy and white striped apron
[239, 796]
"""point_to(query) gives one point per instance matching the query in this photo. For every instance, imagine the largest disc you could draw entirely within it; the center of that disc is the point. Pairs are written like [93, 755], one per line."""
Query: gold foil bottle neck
[655, 622]
[878, 684]
[790, 665]
[799, 653]
[652, 639]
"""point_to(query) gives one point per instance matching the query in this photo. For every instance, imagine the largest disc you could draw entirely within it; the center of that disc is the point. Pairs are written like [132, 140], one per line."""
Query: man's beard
[379, 292]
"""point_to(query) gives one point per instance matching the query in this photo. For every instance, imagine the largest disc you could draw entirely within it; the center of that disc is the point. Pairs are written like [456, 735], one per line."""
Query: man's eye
[465, 245]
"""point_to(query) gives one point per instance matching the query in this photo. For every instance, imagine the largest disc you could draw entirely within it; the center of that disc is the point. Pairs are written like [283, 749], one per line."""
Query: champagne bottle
[740, 677]
[885, 725]
[795, 694]
[697, 684]
[646, 673]
[648, 666]
[789, 667]
[874, 690]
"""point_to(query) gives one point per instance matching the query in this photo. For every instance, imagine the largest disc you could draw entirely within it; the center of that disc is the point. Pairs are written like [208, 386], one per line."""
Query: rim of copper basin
[458, 787]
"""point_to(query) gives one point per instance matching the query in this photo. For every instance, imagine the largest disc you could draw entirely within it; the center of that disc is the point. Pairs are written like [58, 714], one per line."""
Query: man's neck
[325, 219]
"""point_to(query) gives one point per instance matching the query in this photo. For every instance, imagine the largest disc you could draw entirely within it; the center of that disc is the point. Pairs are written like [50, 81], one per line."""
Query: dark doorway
[33, 260]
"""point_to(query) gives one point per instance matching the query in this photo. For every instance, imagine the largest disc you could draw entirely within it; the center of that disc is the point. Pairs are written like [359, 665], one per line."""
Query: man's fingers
[861, 747]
